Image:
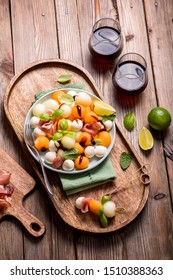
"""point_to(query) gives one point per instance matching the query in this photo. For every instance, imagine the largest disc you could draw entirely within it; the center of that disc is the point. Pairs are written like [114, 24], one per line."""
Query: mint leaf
[71, 134]
[125, 160]
[57, 113]
[63, 124]
[57, 136]
[110, 117]
[70, 154]
[66, 98]
[64, 79]
[45, 117]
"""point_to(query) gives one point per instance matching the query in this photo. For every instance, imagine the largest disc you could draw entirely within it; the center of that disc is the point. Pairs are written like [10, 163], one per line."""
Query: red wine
[130, 78]
[105, 42]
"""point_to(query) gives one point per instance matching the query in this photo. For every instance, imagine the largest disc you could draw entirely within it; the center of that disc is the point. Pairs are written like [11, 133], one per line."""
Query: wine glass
[130, 75]
[106, 40]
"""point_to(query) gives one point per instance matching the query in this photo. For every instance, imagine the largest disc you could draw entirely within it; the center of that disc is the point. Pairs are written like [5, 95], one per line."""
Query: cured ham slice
[91, 128]
[4, 177]
[46, 126]
[6, 189]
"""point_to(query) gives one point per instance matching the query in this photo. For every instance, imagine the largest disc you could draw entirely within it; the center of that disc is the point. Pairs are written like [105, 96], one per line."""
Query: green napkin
[74, 183]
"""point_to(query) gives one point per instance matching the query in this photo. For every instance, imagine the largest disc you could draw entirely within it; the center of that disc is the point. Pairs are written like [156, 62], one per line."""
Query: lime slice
[146, 141]
[103, 109]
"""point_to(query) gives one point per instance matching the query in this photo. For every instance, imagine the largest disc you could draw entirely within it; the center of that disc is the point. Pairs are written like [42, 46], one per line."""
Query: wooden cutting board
[40, 76]
[23, 184]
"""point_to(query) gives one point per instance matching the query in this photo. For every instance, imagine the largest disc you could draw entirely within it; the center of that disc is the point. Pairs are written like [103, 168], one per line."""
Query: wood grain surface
[46, 29]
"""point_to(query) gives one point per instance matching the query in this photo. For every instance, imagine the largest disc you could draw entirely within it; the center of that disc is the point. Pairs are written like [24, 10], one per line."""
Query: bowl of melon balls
[72, 129]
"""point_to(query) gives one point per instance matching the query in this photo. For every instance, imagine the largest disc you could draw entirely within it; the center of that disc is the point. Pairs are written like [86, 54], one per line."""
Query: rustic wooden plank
[158, 209]
[7, 225]
[68, 30]
[41, 42]
[132, 19]
[159, 22]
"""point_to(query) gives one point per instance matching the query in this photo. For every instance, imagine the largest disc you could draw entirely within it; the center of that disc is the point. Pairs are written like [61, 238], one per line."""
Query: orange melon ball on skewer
[94, 206]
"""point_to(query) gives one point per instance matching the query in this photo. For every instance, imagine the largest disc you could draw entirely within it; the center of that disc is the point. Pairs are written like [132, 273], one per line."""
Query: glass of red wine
[106, 40]
[130, 75]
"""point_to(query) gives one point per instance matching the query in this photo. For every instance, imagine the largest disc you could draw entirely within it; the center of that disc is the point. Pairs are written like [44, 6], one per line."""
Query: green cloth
[74, 183]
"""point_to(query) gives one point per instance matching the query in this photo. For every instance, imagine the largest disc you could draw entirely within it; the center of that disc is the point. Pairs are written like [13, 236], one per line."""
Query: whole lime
[159, 118]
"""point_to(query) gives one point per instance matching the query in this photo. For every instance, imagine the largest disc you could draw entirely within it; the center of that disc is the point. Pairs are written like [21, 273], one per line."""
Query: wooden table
[33, 30]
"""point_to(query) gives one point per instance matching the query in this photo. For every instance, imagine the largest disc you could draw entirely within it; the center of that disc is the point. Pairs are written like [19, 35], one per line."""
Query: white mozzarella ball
[100, 151]
[50, 156]
[51, 105]
[67, 142]
[38, 109]
[34, 122]
[78, 202]
[68, 165]
[109, 208]
[53, 145]
[89, 151]
[82, 98]
[67, 110]
[108, 124]
[72, 92]
[38, 132]
[76, 125]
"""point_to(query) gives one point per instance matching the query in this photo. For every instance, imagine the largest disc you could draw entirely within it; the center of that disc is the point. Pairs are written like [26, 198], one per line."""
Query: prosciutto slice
[6, 189]
[91, 128]
[46, 126]
[4, 177]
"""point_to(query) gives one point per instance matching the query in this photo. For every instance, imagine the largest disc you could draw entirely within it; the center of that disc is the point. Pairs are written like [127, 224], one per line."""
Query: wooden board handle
[33, 225]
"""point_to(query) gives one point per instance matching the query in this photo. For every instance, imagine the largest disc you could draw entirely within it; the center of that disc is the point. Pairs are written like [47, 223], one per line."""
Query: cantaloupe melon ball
[83, 99]
[81, 162]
